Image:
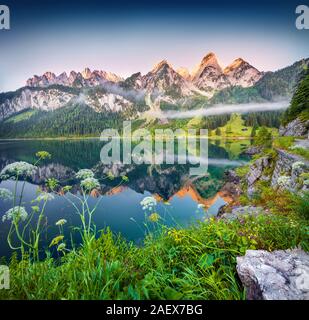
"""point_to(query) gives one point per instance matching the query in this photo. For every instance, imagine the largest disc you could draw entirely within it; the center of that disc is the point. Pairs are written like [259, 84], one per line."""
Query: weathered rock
[253, 150]
[302, 143]
[278, 275]
[256, 173]
[284, 166]
[52, 170]
[240, 212]
[296, 128]
[232, 189]
[231, 186]
[231, 176]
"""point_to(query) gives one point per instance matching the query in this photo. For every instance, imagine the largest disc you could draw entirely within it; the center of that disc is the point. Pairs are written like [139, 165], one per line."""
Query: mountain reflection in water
[178, 194]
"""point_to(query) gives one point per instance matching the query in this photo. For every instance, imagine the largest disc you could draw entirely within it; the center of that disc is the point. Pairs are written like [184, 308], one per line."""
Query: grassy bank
[194, 263]
[288, 144]
[198, 262]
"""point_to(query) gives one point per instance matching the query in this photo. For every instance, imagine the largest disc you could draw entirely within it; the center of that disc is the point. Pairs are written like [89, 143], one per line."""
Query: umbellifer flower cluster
[61, 222]
[284, 182]
[15, 214]
[17, 169]
[84, 174]
[148, 203]
[89, 184]
[44, 196]
[154, 217]
[5, 194]
[298, 165]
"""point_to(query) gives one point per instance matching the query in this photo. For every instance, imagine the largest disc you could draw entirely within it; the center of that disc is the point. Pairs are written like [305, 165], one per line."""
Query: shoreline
[98, 138]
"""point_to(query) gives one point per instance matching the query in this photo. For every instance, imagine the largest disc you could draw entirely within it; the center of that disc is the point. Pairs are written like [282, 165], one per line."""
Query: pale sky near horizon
[130, 36]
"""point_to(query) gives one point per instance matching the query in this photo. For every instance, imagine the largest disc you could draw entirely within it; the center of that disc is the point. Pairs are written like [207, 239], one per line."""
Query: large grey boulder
[277, 275]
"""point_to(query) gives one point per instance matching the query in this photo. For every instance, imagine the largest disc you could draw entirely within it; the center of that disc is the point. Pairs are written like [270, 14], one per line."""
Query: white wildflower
[148, 203]
[200, 206]
[44, 196]
[17, 169]
[89, 184]
[298, 165]
[61, 222]
[295, 147]
[84, 174]
[15, 214]
[5, 194]
[284, 182]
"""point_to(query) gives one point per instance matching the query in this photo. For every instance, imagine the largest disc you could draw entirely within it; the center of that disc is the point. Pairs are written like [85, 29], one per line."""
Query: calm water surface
[178, 194]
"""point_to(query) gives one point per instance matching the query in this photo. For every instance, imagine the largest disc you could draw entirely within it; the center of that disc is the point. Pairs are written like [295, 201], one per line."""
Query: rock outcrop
[284, 166]
[232, 184]
[257, 172]
[252, 150]
[240, 212]
[296, 128]
[52, 170]
[278, 275]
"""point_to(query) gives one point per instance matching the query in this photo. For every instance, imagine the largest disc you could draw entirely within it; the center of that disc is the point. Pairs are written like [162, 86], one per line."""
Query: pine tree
[253, 132]
[263, 137]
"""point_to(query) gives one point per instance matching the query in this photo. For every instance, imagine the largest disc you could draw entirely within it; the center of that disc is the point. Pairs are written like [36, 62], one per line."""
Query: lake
[181, 199]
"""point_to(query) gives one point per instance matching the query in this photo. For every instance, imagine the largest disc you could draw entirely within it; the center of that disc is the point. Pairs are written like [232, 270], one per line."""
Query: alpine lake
[181, 199]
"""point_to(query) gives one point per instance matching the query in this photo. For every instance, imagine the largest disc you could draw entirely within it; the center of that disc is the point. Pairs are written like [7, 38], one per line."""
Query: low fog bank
[224, 109]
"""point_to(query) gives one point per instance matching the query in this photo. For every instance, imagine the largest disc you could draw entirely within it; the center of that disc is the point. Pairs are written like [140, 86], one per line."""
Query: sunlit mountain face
[122, 39]
[105, 63]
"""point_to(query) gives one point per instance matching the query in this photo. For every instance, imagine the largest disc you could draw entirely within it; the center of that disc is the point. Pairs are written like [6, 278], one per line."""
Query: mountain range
[205, 79]
[163, 87]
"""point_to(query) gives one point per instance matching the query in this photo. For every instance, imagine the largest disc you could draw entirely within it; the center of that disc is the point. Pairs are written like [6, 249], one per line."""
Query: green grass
[194, 263]
[235, 127]
[283, 142]
[198, 262]
[287, 143]
[301, 152]
[21, 116]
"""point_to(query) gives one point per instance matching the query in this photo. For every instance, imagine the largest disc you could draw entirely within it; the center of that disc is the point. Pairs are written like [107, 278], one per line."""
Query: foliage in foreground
[300, 101]
[194, 263]
[288, 144]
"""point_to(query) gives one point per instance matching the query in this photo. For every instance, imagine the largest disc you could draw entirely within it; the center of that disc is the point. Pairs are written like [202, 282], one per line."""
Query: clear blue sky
[125, 37]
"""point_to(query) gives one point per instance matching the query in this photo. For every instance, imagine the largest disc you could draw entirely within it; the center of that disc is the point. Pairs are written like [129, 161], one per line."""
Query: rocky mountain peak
[160, 65]
[49, 75]
[80, 79]
[241, 73]
[207, 77]
[86, 73]
[235, 64]
[210, 59]
[209, 64]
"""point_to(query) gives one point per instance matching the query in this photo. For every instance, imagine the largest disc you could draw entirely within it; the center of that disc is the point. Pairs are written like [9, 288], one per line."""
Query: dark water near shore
[177, 193]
